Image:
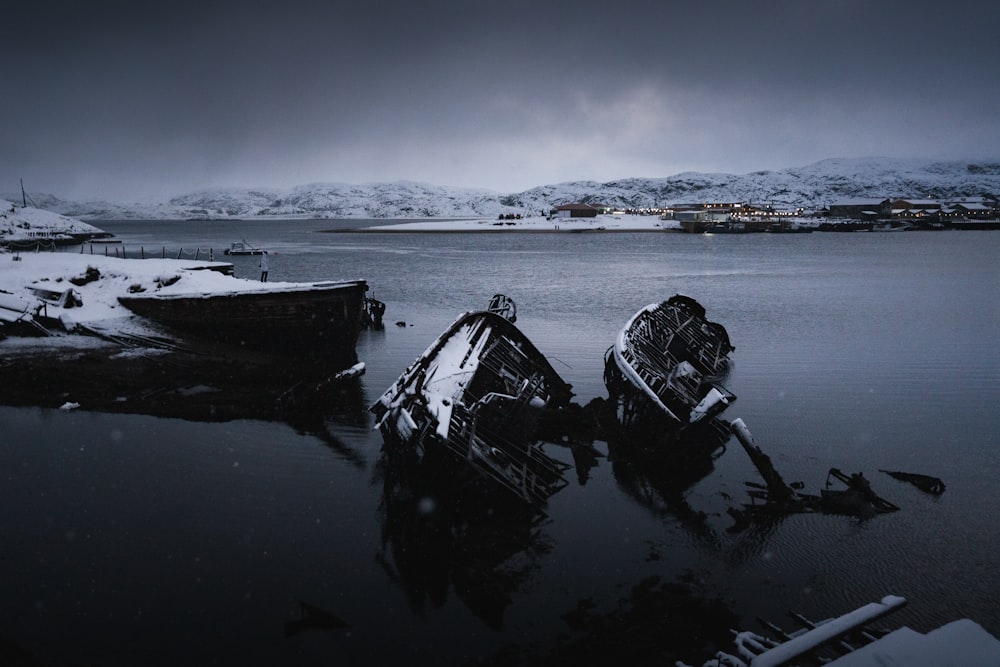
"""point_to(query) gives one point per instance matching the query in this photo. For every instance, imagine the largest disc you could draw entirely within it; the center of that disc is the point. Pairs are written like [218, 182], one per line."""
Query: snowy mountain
[811, 187]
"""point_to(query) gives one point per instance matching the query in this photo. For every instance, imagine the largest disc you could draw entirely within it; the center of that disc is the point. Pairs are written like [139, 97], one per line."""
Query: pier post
[777, 489]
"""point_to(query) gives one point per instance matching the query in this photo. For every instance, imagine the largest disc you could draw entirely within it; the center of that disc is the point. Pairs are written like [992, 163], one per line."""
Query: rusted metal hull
[478, 391]
[665, 367]
[320, 320]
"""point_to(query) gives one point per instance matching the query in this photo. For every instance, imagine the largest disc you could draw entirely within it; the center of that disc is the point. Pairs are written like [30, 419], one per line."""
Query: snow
[810, 187]
[53, 270]
[98, 306]
[100, 309]
[828, 631]
[956, 644]
[601, 223]
[28, 223]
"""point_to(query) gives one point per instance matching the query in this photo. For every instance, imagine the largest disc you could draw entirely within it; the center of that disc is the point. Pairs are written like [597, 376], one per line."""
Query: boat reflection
[446, 527]
[657, 475]
[190, 384]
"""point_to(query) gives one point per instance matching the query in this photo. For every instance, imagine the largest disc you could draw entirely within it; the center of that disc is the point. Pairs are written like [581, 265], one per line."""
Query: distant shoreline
[389, 229]
[533, 225]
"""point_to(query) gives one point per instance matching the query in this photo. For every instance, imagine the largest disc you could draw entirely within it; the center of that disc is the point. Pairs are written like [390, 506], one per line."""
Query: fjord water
[131, 539]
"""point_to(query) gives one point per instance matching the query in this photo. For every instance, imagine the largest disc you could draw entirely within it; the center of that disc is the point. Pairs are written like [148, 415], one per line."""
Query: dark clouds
[125, 99]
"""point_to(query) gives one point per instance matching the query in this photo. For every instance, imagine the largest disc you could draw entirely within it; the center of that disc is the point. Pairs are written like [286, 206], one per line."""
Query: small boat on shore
[242, 248]
[854, 640]
[320, 320]
[665, 367]
[478, 392]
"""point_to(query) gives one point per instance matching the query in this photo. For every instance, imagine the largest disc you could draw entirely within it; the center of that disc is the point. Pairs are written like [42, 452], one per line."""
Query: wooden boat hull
[478, 391]
[664, 369]
[320, 320]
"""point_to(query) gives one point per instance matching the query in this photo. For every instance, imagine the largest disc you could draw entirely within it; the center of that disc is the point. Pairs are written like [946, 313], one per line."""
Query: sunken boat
[665, 368]
[317, 320]
[478, 393]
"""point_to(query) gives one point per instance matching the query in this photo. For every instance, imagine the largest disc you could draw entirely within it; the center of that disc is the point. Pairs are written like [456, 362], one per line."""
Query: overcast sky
[136, 100]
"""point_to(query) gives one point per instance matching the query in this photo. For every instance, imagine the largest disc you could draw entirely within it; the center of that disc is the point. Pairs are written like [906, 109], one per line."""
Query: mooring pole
[777, 489]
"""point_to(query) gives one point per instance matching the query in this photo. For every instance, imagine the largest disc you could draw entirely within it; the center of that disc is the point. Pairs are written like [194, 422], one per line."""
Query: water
[131, 539]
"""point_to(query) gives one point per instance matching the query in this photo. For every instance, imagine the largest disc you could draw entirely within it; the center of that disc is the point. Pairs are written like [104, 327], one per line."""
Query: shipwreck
[478, 392]
[664, 370]
[321, 320]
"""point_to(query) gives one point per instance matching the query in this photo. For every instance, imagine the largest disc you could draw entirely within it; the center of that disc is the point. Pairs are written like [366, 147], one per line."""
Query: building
[576, 211]
[861, 209]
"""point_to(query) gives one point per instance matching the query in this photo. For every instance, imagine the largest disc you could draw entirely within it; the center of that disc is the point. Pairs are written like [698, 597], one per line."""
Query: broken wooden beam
[777, 489]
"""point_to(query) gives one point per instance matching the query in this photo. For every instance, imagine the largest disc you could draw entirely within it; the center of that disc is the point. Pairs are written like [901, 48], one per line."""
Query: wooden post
[777, 489]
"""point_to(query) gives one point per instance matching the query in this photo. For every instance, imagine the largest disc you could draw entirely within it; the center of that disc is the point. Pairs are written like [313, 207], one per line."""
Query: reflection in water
[659, 623]
[312, 617]
[446, 527]
[191, 384]
[656, 469]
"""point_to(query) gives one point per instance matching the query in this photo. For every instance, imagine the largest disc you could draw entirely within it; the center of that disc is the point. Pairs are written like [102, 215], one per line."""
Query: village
[858, 214]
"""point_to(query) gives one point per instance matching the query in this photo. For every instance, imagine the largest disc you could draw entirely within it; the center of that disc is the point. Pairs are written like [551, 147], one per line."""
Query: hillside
[811, 187]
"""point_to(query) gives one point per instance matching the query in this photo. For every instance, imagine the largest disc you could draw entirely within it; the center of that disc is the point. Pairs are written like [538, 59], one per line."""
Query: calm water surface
[130, 539]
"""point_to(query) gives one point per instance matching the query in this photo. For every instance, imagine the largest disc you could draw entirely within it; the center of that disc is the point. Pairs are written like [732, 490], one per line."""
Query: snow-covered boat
[665, 368]
[319, 320]
[478, 392]
[242, 248]
[852, 640]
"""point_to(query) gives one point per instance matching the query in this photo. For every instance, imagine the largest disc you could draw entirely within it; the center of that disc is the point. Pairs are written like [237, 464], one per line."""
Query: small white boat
[242, 248]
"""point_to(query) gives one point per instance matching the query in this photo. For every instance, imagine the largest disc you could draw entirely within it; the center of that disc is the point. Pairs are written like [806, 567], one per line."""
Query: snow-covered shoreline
[544, 224]
[29, 225]
[94, 283]
[97, 282]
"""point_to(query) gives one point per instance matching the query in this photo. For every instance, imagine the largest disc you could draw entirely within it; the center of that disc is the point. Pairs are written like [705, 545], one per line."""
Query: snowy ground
[95, 303]
[610, 223]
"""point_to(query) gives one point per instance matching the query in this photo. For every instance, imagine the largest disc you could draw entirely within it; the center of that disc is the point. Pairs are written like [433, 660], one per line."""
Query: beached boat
[665, 367]
[853, 640]
[242, 248]
[478, 392]
[319, 320]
